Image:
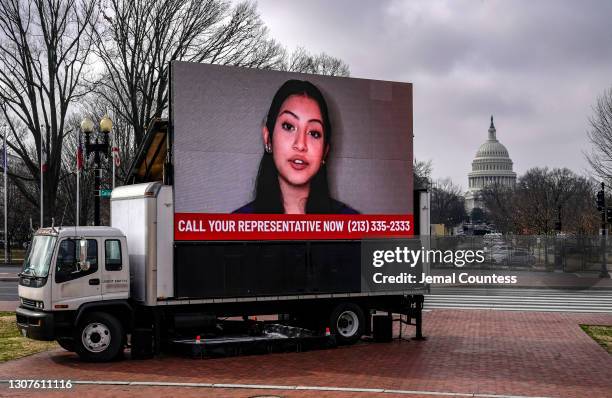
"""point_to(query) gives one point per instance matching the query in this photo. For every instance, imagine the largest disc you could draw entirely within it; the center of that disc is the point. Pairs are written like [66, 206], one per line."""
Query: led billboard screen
[264, 155]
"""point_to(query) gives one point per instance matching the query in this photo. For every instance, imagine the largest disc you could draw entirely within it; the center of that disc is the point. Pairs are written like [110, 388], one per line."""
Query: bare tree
[535, 210]
[447, 204]
[141, 38]
[580, 214]
[320, 64]
[498, 202]
[43, 54]
[19, 210]
[45, 67]
[600, 136]
[421, 171]
[544, 201]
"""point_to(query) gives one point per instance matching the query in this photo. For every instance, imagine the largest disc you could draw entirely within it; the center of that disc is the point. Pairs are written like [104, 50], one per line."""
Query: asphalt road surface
[9, 269]
[508, 299]
[8, 291]
[521, 300]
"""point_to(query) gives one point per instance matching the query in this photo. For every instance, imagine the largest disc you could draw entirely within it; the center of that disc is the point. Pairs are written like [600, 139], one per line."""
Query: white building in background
[492, 165]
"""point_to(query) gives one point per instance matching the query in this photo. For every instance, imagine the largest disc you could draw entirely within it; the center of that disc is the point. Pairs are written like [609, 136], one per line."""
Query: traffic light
[601, 201]
[609, 214]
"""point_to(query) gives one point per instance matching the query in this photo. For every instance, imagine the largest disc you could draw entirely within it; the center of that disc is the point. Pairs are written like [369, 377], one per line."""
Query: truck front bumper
[35, 324]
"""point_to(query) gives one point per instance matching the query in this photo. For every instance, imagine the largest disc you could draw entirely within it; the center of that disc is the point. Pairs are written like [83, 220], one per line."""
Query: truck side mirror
[83, 263]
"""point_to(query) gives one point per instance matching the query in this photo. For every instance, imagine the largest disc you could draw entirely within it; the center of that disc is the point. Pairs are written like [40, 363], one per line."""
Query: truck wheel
[347, 322]
[99, 338]
[66, 344]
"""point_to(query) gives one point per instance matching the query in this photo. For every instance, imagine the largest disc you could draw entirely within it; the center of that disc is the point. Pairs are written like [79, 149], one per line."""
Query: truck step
[275, 338]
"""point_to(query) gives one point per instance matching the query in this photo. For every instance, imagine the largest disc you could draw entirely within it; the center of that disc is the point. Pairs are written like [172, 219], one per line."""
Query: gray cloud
[538, 66]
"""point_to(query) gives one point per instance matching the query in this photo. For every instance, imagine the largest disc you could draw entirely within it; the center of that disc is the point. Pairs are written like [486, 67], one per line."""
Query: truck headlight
[32, 303]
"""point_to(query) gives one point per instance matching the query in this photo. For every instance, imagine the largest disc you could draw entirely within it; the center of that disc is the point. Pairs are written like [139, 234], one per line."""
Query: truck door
[115, 272]
[74, 285]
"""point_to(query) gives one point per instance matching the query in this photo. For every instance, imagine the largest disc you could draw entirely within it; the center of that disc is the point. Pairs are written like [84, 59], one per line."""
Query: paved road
[521, 300]
[493, 299]
[8, 291]
[9, 269]
[502, 299]
[8, 287]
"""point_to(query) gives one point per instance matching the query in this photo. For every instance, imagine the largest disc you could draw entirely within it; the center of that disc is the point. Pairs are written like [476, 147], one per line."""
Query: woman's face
[298, 141]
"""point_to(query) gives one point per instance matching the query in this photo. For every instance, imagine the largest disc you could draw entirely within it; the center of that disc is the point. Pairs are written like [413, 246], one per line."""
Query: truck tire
[67, 344]
[347, 323]
[99, 338]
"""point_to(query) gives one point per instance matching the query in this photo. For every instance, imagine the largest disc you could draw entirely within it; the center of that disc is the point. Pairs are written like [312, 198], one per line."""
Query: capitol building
[492, 165]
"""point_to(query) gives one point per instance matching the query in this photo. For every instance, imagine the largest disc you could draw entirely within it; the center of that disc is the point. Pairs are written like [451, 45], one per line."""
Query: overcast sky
[537, 66]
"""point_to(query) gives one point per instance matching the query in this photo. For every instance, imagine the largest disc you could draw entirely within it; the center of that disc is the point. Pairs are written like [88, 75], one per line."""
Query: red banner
[198, 226]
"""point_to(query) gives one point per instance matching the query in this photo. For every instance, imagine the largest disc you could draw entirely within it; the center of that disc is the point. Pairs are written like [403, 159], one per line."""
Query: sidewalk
[492, 353]
[8, 305]
[531, 279]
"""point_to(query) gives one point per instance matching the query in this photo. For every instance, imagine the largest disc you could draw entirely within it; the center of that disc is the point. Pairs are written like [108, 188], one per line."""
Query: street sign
[105, 193]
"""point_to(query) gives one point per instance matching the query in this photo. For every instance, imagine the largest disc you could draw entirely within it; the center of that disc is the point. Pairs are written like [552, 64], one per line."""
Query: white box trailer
[144, 212]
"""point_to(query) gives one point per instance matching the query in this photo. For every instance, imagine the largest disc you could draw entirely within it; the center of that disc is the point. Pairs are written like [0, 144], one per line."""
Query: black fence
[572, 254]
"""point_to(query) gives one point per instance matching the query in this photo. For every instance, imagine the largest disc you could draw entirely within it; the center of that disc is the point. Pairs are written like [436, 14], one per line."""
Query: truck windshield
[39, 255]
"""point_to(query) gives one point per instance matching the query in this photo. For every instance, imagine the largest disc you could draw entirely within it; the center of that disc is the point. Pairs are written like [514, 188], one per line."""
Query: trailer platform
[273, 338]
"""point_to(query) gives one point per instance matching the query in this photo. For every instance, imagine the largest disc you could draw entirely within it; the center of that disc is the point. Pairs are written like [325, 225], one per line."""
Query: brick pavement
[470, 351]
[189, 392]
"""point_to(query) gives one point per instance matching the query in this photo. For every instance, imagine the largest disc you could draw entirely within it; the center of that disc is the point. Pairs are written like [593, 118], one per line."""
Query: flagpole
[42, 148]
[114, 153]
[5, 166]
[78, 205]
[78, 175]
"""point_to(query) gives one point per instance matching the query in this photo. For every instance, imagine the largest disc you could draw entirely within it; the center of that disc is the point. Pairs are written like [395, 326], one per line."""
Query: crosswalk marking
[521, 300]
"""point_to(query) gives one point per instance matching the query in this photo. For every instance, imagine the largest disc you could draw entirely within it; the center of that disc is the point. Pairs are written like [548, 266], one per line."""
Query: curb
[381, 391]
[9, 306]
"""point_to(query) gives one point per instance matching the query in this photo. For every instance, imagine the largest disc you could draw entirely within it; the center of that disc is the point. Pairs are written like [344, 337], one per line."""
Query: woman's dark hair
[268, 196]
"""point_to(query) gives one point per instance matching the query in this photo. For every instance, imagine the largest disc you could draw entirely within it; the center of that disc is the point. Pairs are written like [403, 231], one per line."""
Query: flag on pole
[116, 158]
[4, 155]
[79, 155]
[79, 167]
[115, 152]
[43, 168]
[43, 159]
[5, 164]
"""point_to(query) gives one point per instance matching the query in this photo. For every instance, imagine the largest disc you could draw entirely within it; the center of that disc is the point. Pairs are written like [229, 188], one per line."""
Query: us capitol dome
[492, 165]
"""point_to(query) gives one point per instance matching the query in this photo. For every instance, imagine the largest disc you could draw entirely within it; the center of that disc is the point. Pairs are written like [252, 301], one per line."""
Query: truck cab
[69, 276]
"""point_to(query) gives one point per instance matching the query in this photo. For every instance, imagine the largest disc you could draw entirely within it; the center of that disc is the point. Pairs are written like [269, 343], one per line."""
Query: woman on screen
[292, 177]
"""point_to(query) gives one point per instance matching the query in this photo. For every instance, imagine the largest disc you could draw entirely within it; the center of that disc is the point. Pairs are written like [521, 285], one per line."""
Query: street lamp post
[99, 149]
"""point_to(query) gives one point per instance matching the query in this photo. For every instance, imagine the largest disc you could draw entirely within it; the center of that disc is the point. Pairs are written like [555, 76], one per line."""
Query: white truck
[97, 290]
[144, 283]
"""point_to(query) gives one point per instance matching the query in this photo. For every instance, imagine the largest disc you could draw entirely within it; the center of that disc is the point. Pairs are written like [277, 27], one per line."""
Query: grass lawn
[601, 334]
[13, 345]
